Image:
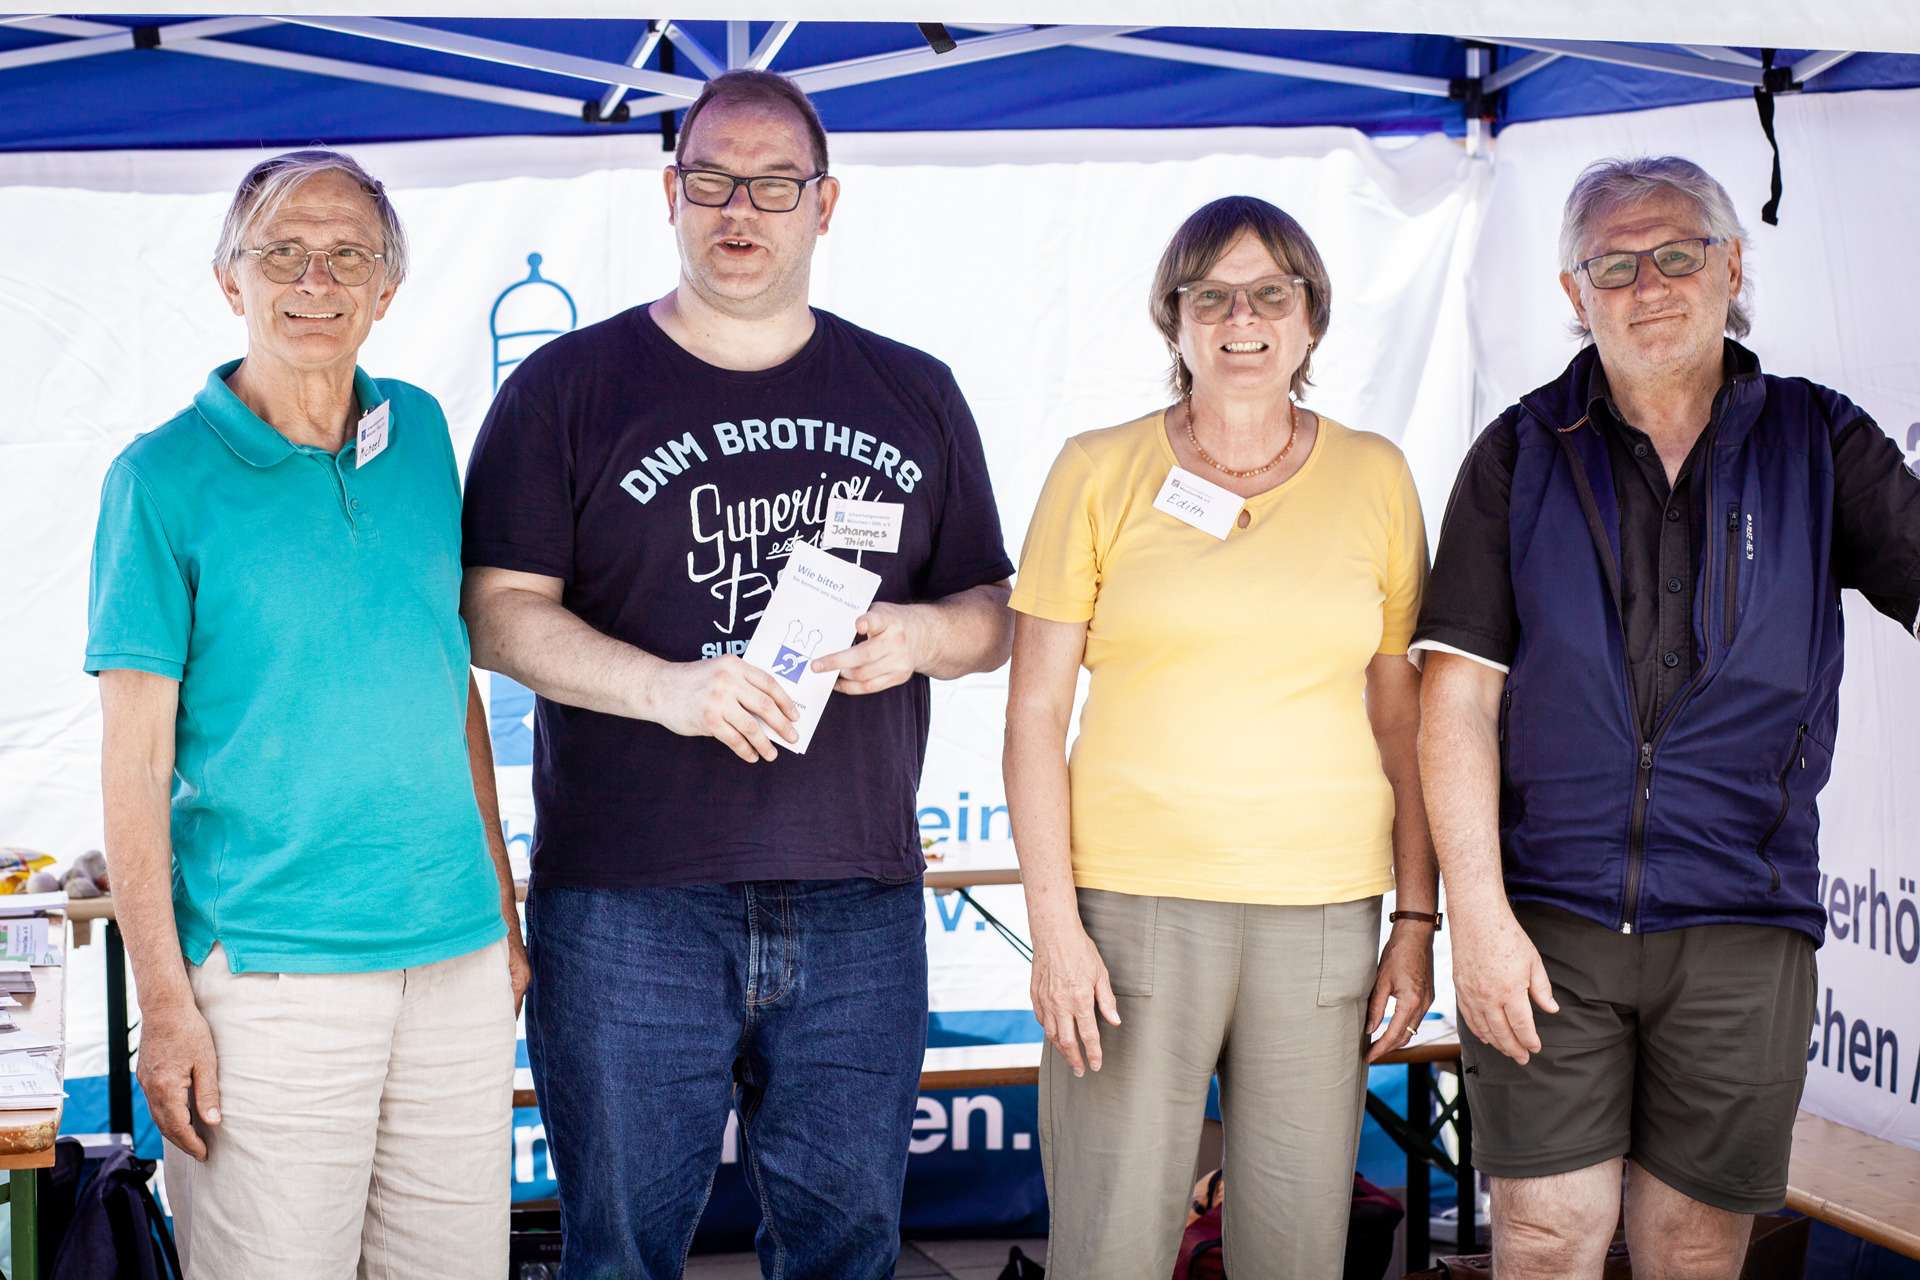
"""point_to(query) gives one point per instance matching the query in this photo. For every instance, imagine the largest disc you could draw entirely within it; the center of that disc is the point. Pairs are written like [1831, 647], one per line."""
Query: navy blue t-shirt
[666, 494]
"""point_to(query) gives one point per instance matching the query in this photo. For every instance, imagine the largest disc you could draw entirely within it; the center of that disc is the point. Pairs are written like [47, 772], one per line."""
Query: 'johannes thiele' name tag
[1200, 503]
[862, 526]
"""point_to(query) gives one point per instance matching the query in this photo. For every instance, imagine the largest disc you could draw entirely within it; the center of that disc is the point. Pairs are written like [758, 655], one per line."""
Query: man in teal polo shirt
[301, 824]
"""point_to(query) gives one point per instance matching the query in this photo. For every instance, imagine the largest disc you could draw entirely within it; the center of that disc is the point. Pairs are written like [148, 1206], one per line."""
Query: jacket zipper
[1637, 834]
[1799, 736]
[1643, 777]
[1733, 566]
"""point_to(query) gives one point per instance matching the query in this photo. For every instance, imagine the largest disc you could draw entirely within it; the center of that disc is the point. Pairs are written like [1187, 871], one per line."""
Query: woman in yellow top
[1240, 577]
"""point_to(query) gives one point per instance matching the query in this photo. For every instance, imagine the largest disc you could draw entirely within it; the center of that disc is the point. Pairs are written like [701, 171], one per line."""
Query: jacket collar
[1581, 388]
[243, 430]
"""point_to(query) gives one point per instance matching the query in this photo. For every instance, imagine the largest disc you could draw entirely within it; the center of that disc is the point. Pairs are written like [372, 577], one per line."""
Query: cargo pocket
[1349, 950]
[1122, 925]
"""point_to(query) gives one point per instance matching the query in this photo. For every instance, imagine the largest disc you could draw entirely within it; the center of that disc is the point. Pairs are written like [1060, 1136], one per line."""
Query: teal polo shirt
[324, 819]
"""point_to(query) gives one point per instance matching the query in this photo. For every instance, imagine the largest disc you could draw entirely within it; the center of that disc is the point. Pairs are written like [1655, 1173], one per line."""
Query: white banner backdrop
[1020, 259]
[1834, 285]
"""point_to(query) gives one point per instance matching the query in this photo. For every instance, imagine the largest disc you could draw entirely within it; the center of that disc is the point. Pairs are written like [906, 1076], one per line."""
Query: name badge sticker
[862, 526]
[1199, 502]
[372, 440]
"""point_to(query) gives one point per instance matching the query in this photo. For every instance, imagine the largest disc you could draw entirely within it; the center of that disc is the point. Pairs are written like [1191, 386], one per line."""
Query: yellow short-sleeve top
[1224, 748]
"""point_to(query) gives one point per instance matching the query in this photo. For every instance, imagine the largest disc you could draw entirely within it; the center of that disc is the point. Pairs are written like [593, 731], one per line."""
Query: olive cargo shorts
[1683, 1050]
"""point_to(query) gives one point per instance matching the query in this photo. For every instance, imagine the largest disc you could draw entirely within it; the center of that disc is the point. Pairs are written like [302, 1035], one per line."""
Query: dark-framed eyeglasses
[285, 261]
[1211, 301]
[1673, 259]
[714, 190]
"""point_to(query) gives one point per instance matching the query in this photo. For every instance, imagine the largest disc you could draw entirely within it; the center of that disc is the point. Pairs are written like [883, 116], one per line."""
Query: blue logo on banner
[533, 318]
[789, 665]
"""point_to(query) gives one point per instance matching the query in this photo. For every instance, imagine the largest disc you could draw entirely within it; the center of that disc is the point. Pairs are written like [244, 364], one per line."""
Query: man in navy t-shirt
[716, 922]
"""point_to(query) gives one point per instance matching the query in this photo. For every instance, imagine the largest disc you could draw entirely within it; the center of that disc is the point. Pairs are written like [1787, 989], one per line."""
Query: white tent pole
[1231, 59]
[1815, 63]
[905, 62]
[642, 50]
[390, 77]
[739, 44]
[1719, 53]
[120, 39]
[771, 44]
[1478, 60]
[171, 42]
[1626, 55]
[513, 55]
[685, 42]
[1519, 69]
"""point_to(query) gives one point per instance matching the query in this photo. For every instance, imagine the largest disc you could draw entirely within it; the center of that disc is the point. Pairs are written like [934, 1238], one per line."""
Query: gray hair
[1605, 185]
[269, 183]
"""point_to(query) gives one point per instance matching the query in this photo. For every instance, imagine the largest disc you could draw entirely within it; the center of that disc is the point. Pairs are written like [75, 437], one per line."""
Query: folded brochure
[810, 614]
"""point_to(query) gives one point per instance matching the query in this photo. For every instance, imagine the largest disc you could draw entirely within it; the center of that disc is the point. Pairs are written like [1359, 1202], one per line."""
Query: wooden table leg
[24, 1192]
[1420, 1116]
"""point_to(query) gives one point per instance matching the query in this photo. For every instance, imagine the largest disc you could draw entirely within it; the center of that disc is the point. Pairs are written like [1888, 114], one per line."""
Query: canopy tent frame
[668, 92]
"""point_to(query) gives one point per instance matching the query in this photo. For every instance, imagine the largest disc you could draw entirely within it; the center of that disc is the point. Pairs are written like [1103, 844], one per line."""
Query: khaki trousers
[364, 1125]
[1271, 998]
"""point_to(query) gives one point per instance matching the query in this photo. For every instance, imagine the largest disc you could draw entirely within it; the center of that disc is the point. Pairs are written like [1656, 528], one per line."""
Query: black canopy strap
[1014, 940]
[1763, 98]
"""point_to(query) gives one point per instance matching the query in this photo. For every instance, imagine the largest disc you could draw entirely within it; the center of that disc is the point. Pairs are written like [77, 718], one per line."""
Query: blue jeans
[802, 1004]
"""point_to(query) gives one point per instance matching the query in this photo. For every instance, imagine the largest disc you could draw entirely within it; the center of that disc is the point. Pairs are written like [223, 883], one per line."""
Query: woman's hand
[1069, 983]
[1406, 974]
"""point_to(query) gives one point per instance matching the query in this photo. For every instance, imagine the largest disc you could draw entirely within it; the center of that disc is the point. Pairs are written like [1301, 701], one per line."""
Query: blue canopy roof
[280, 82]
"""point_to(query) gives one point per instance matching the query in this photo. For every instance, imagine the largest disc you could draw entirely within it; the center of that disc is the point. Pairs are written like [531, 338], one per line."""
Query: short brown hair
[760, 89]
[1197, 247]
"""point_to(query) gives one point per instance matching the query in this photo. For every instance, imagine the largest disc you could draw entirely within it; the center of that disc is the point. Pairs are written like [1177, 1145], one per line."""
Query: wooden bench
[1864, 1185]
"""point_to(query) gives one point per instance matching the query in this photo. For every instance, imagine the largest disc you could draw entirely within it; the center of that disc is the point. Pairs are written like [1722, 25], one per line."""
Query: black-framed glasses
[285, 261]
[1211, 301]
[713, 189]
[1673, 259]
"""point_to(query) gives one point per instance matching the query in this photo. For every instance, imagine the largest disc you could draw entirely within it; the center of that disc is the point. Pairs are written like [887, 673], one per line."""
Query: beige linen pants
[364, 1125]
[1271, 998]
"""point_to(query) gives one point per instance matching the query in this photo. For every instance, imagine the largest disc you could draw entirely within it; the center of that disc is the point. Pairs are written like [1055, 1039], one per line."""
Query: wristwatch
[1424, 917]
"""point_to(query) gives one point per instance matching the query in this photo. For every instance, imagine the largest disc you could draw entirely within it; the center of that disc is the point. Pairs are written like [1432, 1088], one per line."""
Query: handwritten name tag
[862, 526]
[372, 439]
[1200, 503]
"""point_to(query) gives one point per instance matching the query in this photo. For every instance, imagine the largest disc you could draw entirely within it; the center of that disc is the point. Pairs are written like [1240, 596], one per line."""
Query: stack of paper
[32, 904]
[28, 1081]
[16, 977]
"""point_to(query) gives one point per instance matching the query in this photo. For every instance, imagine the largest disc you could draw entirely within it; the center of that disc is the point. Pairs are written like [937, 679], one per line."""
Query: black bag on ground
[102, 1223]
[1021, 1267]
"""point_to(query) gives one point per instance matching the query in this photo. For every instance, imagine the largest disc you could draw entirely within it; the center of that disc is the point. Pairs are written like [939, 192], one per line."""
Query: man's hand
[724, 698]
[1406, 974]
[888, 656]
[1069, 982]
[519, 969]
[1495, 969]
[177, 1063]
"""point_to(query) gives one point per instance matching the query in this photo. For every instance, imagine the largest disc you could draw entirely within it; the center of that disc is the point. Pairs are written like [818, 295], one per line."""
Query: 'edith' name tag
[862, 526]
[1200, 503]
[372, 441]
